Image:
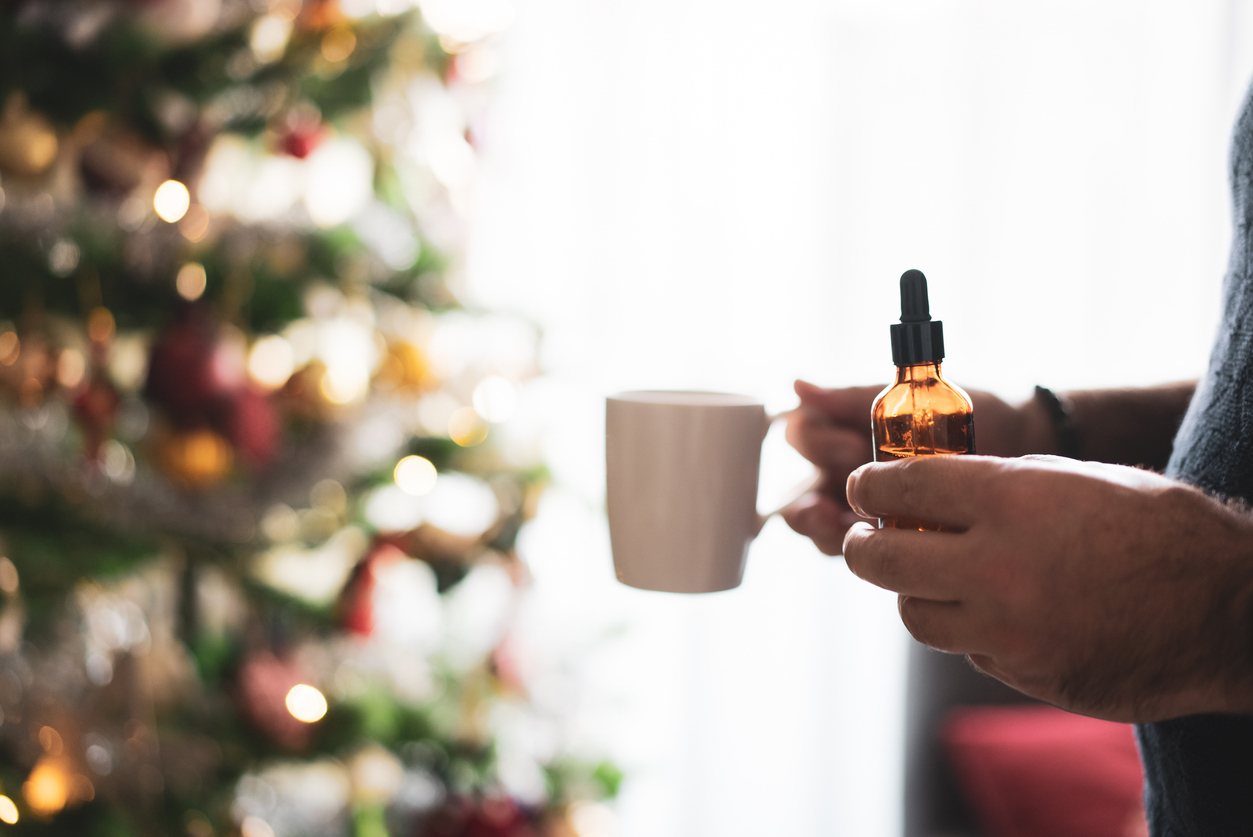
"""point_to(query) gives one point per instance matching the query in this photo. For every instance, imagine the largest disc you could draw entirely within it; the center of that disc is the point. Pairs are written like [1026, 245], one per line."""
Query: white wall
[721, 194]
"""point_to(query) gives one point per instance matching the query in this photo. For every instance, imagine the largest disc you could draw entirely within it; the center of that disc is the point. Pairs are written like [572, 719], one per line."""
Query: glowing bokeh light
[337, 44]
[339, 181]
[269, 36]
[461, 505]
[191, 281]
[100, 325]
[50, 740]
[254, 826]
[71, 366]
[195, 224]
[344, 384]
[467, 428]
[171, 201]
[495, 398]
[8, 576]
[10, 348]
[415, 475]
[271, 361]
[47, 787]
[8, 810]
[306, 703]
[199, 458]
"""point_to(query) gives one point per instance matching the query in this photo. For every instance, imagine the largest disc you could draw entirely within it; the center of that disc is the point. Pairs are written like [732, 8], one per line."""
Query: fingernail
[850, 489]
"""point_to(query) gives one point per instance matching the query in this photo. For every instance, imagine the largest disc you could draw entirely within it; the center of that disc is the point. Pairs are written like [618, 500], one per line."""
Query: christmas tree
[258, 491]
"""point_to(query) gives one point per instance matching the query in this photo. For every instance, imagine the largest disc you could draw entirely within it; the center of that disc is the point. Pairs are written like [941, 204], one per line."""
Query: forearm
[1133, 426]
[1130, 426]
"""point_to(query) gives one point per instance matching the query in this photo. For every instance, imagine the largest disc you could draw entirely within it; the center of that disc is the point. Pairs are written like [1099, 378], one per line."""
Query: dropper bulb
[914, 305]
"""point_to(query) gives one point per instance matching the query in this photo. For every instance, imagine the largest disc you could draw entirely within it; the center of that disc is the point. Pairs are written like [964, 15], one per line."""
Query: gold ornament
[404, 368]
[28, 143]
[197, 459]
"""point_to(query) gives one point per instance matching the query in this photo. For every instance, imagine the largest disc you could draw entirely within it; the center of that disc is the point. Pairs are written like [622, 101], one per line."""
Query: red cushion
[1036, 771]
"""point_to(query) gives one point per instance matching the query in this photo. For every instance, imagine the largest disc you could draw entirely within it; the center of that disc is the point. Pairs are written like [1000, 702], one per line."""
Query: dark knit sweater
[1199, 770]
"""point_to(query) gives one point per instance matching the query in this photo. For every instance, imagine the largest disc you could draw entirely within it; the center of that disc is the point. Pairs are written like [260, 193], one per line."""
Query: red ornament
[94, 408]
[301, 141]
[491, 816]
[181, 374]
[498, 816]
[356, 603]
[252, 425]
[261, 690]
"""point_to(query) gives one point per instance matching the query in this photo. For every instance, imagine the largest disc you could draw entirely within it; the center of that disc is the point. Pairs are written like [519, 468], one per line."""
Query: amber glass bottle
[920, 414]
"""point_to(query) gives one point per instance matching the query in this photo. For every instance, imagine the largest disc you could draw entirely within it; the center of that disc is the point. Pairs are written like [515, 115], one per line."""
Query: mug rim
[685, 398]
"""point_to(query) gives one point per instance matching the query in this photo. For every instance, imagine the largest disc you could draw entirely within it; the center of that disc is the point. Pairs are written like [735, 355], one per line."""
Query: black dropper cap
[916, 338]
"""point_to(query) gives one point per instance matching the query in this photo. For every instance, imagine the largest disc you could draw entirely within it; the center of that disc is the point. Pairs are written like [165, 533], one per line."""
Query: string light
[495, 398]
[100, 325]
[467, 428]
[195, 224]
[415, 475]
[8, 576]
[171, 201]
[271, 361]
[343, 383]
[306, 703]
[46, 789]
[50, 740]
[337, 44]
[268, 38]
[253, 826]
[10, 348]
[71, 366]
[8, 810]
[191, 281]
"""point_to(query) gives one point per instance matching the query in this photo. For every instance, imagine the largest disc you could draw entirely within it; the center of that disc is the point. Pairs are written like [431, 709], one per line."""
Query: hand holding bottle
[920, 414]
[1107, 590]
[831, 429]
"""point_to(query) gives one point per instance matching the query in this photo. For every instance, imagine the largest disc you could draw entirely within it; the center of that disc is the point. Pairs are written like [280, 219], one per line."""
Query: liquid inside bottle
[920, 414]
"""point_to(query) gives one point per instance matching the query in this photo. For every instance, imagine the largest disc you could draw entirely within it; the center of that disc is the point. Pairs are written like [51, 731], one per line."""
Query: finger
[821, 519]
[846, 405]
[949, 490]
[926, 565]
[940, 625]
[988, 666]
[830, 447]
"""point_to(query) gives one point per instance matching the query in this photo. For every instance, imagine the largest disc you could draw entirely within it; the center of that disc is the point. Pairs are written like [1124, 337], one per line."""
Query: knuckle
[912, 480]
[830, 547]
[885, 561]
[856, 549]
[913, 617]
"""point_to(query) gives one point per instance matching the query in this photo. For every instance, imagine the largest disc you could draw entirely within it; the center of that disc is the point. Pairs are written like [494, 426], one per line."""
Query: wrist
[1036, 433]
[1060, 413]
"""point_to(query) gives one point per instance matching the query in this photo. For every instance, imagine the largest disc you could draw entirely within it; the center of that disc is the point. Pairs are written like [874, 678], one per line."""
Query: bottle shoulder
[913, 391]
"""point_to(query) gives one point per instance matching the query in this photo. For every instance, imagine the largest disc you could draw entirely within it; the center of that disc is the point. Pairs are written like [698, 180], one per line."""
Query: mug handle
[799, 490]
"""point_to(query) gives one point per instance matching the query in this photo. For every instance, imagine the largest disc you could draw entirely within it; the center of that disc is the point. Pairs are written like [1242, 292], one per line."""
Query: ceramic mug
[682, 470]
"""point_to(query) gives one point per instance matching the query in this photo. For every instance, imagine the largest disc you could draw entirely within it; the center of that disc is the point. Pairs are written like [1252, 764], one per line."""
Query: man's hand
[1103, 589]
[831, 429]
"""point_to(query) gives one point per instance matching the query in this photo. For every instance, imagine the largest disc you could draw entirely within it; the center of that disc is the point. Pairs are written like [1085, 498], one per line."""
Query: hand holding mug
[831, 429]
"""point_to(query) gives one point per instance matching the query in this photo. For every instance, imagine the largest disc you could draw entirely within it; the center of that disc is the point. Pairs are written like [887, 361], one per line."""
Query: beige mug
[682, 471]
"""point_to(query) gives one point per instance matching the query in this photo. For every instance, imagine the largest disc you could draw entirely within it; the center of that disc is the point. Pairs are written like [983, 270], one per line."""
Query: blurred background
[327, 413]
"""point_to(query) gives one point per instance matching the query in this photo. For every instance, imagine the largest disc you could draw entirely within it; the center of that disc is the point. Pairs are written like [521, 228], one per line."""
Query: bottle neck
[918, 373]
